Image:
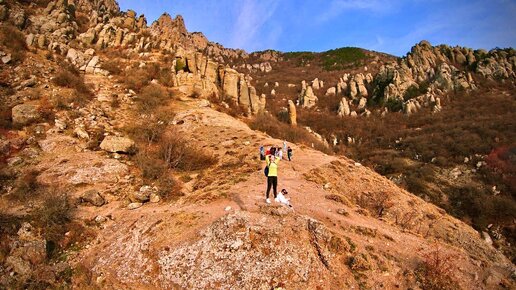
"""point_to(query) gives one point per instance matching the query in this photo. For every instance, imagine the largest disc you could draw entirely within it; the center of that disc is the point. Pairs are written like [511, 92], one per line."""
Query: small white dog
[282, 199]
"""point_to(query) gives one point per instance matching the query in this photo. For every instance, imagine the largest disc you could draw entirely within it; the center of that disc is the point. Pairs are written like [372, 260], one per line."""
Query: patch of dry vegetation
[69, 77]
[415, 150]
[436, 271]
[14, 41]
[272, 126]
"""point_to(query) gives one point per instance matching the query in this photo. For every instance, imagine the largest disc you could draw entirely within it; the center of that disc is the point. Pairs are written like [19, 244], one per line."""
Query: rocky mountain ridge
[93, 193]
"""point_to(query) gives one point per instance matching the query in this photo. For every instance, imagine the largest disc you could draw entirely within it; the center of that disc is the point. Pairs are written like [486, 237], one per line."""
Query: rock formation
[307, 98]
[344, 108]
[292, 115]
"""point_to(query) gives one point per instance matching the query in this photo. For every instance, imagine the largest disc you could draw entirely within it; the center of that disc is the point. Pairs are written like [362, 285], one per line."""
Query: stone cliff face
[428, 72]
[76, 29]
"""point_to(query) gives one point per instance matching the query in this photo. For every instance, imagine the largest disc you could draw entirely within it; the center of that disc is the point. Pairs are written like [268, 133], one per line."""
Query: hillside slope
[223, 235]
[125, 163]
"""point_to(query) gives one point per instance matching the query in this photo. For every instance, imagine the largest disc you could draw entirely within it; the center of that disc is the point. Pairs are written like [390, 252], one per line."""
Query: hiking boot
[276, 199]
[267, 200]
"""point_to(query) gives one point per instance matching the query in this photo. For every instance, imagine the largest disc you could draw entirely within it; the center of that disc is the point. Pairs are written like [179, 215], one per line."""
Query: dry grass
[14, 41]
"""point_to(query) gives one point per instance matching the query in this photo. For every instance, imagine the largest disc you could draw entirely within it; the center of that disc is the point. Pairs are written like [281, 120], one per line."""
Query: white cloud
[252, 16]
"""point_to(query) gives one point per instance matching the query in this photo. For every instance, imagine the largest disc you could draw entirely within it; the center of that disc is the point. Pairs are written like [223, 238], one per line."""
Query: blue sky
[318, 25]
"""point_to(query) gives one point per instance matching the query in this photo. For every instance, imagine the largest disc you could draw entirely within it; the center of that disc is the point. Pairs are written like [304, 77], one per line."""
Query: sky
[390, 26]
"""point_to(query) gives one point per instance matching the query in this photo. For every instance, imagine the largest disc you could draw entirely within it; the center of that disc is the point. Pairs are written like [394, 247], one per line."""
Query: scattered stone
[81, 133]
[134, 205]
[204, 104]
[100, 219]
[228, 208]
[6, 59]
[93, 197]
[344, 108]
[144, 194]
[154, 198]
[115, 144]
[487, 238]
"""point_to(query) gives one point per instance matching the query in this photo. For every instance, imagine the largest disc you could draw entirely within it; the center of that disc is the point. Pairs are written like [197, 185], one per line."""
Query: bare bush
[113, 66]
[152, 97]
[406, 220]
[150, 165]
[375, 202]
[150, 133]
[156, 171]
[69, 77]
[14, 40]
[436, 270]
[180, 154]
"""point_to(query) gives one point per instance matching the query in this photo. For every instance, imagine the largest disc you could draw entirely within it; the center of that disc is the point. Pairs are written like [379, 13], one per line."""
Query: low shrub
[375, 202]
[155, 170]
[69, 77]
[151, 166]
[136, 78]
[152, 97]
[180, 65]
[53, 215]
[180, 154]
[14, 41]
[436, 271]
[113, 66]
[5, 117]
[150, 133]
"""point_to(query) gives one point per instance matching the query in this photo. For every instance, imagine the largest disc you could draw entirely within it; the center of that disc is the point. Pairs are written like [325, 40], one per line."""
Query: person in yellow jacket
[272, 176]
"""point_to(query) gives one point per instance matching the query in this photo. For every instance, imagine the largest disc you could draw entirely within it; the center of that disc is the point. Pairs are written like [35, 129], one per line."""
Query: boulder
[331, 91]
[25, 114]
[115, 144]
[93, 197]
[143, 194]
[307, 98]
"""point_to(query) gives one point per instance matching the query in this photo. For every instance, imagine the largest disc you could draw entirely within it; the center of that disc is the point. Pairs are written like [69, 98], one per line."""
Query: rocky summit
[130, 159]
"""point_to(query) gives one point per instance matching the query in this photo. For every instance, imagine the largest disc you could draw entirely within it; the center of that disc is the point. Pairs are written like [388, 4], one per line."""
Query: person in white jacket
[281, 198]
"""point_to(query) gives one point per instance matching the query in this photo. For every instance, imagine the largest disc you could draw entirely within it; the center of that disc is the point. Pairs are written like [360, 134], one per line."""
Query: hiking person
[282, 198]
[262, 153]
[272, 176]
[289, 153]
[279, 153]
[285, 145]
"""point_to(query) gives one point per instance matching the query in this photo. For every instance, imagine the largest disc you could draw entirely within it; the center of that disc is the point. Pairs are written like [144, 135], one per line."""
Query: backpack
[266, 170]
